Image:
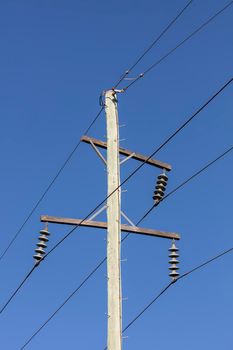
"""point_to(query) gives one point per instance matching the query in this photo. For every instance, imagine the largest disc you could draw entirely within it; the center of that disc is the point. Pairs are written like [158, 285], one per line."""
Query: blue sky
[56, 58]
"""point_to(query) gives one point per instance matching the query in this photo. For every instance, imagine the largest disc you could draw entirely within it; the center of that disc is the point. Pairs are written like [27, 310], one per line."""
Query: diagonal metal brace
[128, 158]
[98, 152]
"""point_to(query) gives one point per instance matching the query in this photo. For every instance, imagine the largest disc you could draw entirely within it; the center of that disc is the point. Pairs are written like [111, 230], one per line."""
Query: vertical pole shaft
[114, 340]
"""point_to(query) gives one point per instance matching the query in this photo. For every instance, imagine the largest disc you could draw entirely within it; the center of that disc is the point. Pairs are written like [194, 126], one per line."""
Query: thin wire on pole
[65, 301]
[135, 171]
[173, 282]
[73, 151]
[18, 288]
[123, 239]
[188, 180]
[75, 148]
[87, 130]
[155, 41]
[178, 130]
[178, 45]
[48, 187]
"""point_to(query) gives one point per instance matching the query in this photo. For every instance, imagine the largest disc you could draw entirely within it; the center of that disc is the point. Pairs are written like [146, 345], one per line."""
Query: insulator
[174, 274]
[40, 250]
[163, 177]
[38, 257]
[173, 248]
[45, 232]
[173, 261]
[41, 244]
[173, 267]
[43, 239]
[174, 255]
[162, 182]
[160, 187]
[157, 197]
[160, 191]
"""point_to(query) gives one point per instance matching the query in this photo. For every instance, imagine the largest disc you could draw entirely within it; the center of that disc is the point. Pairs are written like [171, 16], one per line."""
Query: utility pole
[114, 225]
[114, 213]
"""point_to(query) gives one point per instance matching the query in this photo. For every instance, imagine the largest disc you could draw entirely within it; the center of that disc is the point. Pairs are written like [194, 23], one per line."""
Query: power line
[189, 179]
[127, 72]
[61, 169]
[49, 186]
[137, 169]
[87, 130]
[63, 304]
[126, 236]
[147, 307]
[178, 45]
[18, 288]
[144, 162]
[171, 283]
[74, 150]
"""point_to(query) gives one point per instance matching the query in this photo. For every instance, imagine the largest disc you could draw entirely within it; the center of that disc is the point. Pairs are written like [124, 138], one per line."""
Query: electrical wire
[143, 163]
[147, 307]
[155, 41]
[49, 186]
[178, 45]
[134, 172]
[188, 180]
[87, 130]
[173, 282]
[75, 148]
[126, 236]
[18, 288]
[73, 151]
[66, 301]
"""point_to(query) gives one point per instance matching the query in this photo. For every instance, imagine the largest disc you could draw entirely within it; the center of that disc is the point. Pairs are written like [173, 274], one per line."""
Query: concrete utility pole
[114, 212]
[114, 225]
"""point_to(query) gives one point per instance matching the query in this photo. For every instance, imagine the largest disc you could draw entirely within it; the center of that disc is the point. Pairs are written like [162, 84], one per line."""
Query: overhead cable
[178, 45]
[155, 41]
[189, 179]
[87, 130]
[198, 267]
[48, 187]
[178, 130]
[134, 172]
[125, 237]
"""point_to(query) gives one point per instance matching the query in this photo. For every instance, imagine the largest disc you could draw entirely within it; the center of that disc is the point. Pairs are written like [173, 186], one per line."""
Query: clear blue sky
[56, 58]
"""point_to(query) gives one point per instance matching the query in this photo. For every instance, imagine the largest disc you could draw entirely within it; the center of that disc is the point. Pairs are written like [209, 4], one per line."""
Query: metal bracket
[127, 158]
[127, 219]
[98, 212]
[98, 152]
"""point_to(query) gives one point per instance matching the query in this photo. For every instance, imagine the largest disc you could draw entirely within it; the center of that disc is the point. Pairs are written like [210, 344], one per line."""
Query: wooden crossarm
[103, 225]
[126, 152]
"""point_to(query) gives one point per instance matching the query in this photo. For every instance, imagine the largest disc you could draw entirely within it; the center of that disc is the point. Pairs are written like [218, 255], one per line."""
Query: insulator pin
[173, 254]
